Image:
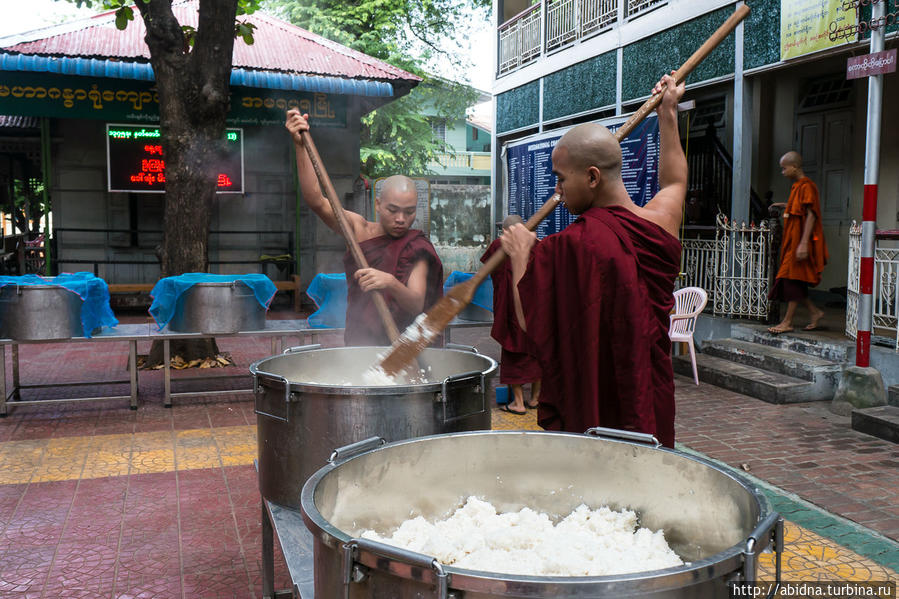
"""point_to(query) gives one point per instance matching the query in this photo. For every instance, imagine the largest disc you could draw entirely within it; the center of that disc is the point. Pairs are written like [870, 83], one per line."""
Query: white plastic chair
[688, 304]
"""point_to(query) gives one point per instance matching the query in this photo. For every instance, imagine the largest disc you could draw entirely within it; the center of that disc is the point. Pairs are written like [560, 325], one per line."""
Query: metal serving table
[296, 545]
[131, 333]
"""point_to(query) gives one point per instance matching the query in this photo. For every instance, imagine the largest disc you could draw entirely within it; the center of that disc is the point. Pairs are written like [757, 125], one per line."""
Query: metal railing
[265, 247]
[734, 268]
[472, 160]
[885, 309]
[519, 40]
[566, 22]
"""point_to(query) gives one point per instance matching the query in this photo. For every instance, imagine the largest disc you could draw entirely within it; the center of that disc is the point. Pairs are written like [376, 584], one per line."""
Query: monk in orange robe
[595, 298]
[517, 366]
[803, 252]
[403, 264]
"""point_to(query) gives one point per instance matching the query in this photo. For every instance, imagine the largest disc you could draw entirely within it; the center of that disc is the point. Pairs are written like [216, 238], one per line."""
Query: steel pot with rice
[716, 522]
[310, 401]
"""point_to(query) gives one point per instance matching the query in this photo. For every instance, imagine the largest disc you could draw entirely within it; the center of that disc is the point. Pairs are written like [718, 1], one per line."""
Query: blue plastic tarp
[328, 291]
[95, 311]
[483, 295]
[166, 292]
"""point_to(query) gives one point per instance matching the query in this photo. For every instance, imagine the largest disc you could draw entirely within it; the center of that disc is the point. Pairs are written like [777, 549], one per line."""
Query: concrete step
[768, 386]
[807, 367]
[804, 342]
[893, 395]
[881, 422]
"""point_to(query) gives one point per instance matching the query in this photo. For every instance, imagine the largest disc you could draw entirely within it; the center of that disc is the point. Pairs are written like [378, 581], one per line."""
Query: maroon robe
[517, 365]
[396, 256]
[597, 297]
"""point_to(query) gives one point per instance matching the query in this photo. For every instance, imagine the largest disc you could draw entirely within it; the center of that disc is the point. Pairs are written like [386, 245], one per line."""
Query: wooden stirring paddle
[325, 182]
[428, 326]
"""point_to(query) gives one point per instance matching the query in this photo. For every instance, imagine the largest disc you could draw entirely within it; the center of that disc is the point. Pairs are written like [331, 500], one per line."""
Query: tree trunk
[193, 86]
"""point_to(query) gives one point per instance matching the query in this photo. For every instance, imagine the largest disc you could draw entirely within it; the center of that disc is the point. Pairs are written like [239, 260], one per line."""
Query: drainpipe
[869, 208]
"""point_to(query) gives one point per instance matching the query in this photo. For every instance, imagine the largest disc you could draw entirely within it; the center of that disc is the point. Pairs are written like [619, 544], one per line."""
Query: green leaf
[122, 16]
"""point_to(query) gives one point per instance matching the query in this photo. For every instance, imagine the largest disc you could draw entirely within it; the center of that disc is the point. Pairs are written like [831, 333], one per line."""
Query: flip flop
[532, 406]
[506, 408]
[812, 327]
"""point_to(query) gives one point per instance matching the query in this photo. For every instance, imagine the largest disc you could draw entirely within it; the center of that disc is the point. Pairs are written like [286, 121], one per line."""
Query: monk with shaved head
[517, 366]
[595, 298]
[803, 252]
[403, 264]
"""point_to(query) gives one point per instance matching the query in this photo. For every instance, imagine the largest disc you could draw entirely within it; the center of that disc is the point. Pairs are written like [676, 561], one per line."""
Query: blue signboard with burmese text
[532, 182]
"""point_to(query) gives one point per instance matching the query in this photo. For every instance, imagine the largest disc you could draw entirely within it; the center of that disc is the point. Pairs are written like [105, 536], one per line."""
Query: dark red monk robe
[517, 365]
[396, 256]
[596, 297]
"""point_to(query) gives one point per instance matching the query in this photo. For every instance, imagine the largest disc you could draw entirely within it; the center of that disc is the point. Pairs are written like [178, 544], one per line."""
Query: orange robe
[803, 199]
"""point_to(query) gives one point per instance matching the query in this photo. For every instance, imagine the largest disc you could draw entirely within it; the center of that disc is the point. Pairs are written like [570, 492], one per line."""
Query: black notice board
[135, 161]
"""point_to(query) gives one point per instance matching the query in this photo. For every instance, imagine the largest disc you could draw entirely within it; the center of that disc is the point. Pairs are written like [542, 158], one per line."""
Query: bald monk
[403, 264]
[803, 252]
[595, 297]
[517, 366]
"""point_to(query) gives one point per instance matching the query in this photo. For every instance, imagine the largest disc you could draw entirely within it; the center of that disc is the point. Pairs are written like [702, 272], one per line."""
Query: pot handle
[616, 433]
[469, 348]
[300, 348]
[345, 452]
[444, 390]
[352, 571]
[768, 530]
[257, 392]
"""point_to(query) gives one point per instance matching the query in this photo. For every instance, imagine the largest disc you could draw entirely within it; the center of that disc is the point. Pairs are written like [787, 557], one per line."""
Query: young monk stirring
[595, 297]
[402, 262]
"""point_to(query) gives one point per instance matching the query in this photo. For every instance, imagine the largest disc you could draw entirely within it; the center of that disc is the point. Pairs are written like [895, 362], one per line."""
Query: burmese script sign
[878, 63]
[62, 96]
[135, 161]
[805, 26]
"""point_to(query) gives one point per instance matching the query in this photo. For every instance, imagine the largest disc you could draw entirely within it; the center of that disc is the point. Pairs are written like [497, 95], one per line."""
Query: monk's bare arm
[807, 228]
[666, 207]
[309, 186]
[410, 297]
[517, 243]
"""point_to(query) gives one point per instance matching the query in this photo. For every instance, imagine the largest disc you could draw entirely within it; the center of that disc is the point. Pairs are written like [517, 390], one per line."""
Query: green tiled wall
[580, 87]
[646, 60]
[518, 107]
[761, 34]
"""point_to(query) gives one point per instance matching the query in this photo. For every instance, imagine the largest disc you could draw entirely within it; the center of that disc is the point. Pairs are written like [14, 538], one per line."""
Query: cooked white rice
[585, 543]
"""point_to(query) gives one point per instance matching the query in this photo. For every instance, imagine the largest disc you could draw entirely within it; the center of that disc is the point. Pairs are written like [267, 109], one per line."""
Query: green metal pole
[46, 171]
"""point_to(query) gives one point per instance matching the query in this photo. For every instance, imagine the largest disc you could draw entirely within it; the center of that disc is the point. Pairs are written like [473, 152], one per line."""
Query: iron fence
[885, 309]
[734, 267]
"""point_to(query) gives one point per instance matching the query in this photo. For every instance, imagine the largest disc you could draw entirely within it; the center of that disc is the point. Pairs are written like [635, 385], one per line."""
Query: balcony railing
[479, 161]
[566, 22]
[519, 40]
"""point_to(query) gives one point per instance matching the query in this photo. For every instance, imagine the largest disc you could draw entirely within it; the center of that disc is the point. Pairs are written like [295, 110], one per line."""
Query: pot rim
[705, 569]
[331, 389]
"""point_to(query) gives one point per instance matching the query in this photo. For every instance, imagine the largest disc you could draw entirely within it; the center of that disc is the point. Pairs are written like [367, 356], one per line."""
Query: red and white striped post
[869, 208]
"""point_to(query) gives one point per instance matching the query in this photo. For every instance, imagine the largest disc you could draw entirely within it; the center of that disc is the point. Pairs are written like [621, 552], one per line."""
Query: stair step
[810, 343]
[893, 395]
[768, 386]
[881, 422]
[784, 361]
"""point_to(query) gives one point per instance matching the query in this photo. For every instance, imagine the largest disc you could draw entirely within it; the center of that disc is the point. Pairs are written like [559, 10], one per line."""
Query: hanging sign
[878, 63]
[805, 26]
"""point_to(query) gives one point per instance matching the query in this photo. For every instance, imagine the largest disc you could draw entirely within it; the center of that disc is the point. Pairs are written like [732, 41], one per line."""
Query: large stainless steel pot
[301, 418]
[712, 518]
[39, 312]
[226, 307]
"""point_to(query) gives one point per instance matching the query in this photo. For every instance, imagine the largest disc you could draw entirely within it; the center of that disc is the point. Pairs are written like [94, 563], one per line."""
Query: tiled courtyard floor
[97, 500]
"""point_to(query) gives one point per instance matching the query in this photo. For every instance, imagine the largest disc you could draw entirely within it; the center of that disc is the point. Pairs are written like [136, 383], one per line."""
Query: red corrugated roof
[279, 47]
